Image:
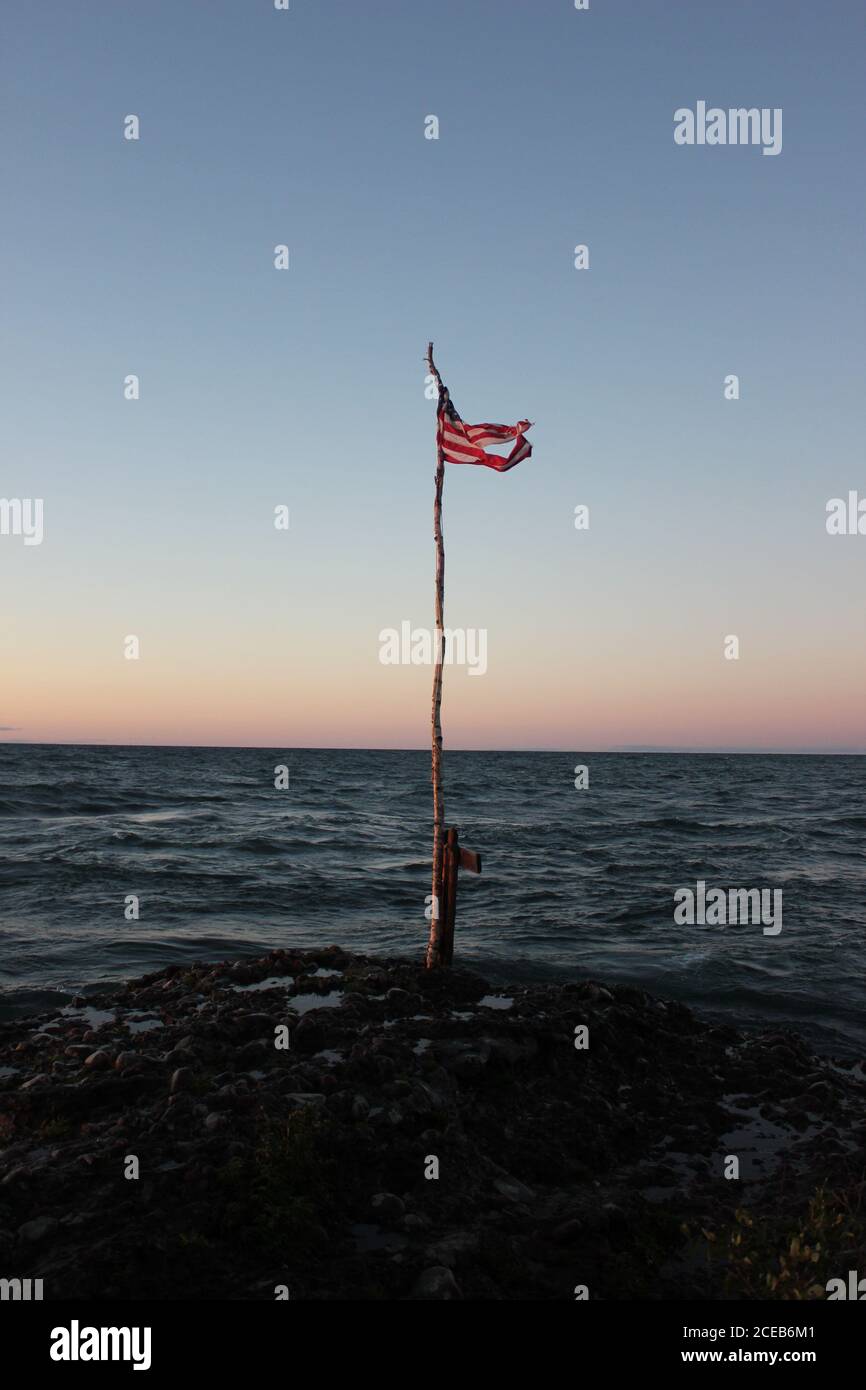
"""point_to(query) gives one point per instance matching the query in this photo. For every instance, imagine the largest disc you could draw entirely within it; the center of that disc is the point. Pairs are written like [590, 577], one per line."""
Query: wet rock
[126, 1060]
[98, 1061]
[437, 1282]
[512, 1190]
[385, 1207]
[14, 1175]
[464, 1057]
[37, 1229]
[181, 1080]
[590, 1143]
[449, 1250]
[568, 1232]
[512, 1050]
[413, 1221]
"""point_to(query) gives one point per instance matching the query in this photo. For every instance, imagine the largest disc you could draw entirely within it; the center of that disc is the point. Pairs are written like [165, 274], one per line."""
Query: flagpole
[434, 944]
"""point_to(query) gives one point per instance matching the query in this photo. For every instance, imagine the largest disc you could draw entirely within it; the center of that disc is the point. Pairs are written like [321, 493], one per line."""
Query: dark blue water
[575, 883]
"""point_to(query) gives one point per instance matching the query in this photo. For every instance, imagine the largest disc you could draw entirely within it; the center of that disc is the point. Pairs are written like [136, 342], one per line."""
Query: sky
[305, 387]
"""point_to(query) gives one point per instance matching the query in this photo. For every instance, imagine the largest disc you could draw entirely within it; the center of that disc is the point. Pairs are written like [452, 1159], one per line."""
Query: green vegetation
[791, 1259]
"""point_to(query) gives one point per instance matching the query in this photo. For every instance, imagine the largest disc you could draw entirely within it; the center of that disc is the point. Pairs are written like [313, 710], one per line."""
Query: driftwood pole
[434, 944]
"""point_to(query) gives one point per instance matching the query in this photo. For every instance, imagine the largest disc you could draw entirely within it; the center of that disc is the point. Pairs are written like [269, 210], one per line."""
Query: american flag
[462, 443]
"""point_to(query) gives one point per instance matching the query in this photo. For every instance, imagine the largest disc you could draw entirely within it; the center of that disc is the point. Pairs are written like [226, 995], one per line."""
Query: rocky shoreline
[320, 1124]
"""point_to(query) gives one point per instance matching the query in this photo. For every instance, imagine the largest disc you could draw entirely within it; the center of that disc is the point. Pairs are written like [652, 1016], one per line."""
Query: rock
[449, 1250]
[215, 1121]
[464, 1057]
[360, 1108]
[567, 1232]
[304, 1098]
[511, 1050]
[413, 1222]
[38, 1229]
[437, 1282]
[14, 1174]
[98, 1061]
[181, 1080]
[253, 1025]
[385, 1207]
[124, 1060]
[512, 1190]
[400, 1000]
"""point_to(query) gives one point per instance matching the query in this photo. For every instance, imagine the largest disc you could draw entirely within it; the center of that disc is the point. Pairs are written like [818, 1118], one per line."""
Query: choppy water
[575, 883]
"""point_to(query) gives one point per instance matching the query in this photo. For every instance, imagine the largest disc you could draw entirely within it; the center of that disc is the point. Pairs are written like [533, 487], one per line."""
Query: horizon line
[621, 749]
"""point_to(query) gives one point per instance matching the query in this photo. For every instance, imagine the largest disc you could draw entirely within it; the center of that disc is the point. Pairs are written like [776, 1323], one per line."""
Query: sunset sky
[305, 387]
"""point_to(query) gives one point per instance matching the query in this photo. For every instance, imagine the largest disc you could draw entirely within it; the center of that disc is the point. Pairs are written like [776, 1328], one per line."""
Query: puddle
[686, 1170]
[322, 973]
[368, 1238]
[94, 1017]
[303, 1003]
[328, 1054]
[272, 982]
[7, 1072]
[758, 1143]
[855, 1069]
[421, 1046]
[495, 1001]
[143, 1025]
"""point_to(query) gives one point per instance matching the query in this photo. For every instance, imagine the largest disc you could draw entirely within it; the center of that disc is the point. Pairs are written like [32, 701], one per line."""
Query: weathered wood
[449, 894]
[434, 944]
[470, 860]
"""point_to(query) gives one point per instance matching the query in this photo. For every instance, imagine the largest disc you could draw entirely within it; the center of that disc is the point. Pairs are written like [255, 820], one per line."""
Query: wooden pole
[434, 944]
[449, 895]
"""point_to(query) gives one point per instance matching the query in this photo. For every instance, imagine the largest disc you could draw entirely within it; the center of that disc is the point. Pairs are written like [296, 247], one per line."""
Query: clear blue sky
[306, 387]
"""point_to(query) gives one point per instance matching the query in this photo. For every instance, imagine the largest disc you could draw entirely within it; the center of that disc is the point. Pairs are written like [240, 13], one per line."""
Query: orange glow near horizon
[186, 698]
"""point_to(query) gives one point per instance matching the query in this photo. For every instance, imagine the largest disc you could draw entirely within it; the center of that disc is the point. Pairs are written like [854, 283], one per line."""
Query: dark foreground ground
[307, 1167]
